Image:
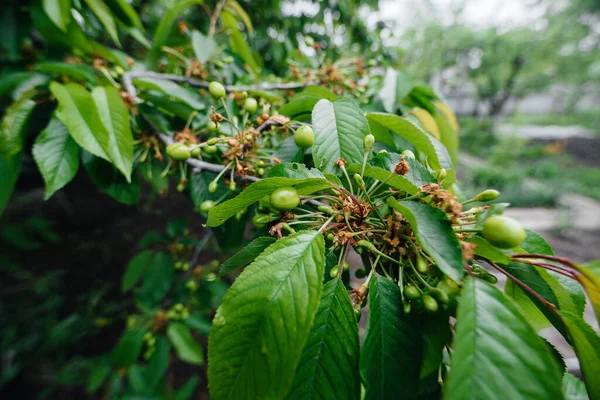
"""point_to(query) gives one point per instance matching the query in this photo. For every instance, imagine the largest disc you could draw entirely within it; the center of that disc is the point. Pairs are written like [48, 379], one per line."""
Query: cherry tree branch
[129, 76]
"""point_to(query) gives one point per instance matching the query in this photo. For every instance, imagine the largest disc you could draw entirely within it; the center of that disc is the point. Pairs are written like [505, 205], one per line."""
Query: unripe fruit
[261, 220]
[210, 149]
[368, 142]
[216, 90]
[260, 171]
[422, 265]
[212, 141]
[359, 180]
[441, 174]
[430, 303]
[440, 295]
[333, 272]
[212, 126]
[250, 105]
[408, 154]
[304, 137]
[178, 151]
[360, 273]
[411, 292]
[180, 187]
[232, 186]
[346, 265]
[195, 152]
[260, 163]
[285, 198]
[212, 187]
[207, 205]
[487, 195]
[503, 232]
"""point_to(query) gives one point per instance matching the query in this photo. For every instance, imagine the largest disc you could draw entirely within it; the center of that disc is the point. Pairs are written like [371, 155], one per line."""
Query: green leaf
[435, 333]
[13, 126]
[305, 101]
[185, 345]
[76, 109]
[59, 12]
[158, 364]
[573, 388]
[486, 250]
[409, 183]
[219, 214]
[204, 47]
[396, 85]
[158, 277]
[234, 8]
[497, 351]
[12, 131]
[109, 180]
[340, 128]
[526, 306]
[295, 171]
[328, 367]
[56, 155]
[246, 255]
[590, 280]
[392, 350]
[81, 73]
[434, 233]
[165, 28]
[535, 244]
[125, 12]
[437, 155]
[237, 42]
[587, 347]
[167, 106]
[135, 269]
[448, 136]
[115, 118]
[103, 13]
[535, 279]
[198, 322]
[260, 329]
[128, 349]
[173, 90]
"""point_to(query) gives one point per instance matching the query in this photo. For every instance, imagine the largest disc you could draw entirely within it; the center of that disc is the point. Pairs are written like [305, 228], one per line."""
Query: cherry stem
[551, 267]
[523, 285]
[561, 260]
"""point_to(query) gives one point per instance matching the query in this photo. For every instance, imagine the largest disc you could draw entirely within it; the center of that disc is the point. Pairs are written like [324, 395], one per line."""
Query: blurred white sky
[477, 13]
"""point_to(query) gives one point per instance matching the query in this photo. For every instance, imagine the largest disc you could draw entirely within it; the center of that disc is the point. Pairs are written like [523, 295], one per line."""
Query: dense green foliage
[293, 170]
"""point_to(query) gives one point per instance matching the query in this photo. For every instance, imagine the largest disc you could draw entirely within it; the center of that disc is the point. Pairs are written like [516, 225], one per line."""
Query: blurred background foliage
[61, 308]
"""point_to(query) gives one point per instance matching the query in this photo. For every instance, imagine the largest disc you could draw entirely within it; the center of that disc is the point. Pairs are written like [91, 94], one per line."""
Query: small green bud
[196, 151]
[180, 187]
[333, 272]
[260, 163]
[261, 220]
[210, 149]
[440, 295]
[406, 306]
[441, 174]
[244, 95]
[211, 276]
[250, 105]
[430, 304]
[369, 142]
[309, 41]
[216, 90]
[151, 342]
[326, 210]
[147, 336]
[249, 138]
[359, 180]
[422, 265]
[207, 205]
[408, 154]
[212, 141]
[178, 307]
[366, 244]
[411, 292]
[232, 186]
[213, 186]
[212, 126]
[185, 314]
[330, 237]
[186, 266]
[487, 195]
[260, 171]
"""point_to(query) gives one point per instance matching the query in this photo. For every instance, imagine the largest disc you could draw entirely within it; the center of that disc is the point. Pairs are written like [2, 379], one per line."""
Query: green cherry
[250, 105]
[503, 232]
[304, 137]
[285, 198]
[216, 90]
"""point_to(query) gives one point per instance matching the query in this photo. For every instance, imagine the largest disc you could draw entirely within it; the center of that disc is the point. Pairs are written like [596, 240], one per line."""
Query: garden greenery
[337, 158]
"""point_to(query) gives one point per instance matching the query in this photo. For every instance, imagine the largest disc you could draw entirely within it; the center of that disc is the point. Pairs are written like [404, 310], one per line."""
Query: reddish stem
[561, 260]
[551, 267]
[523, 286]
